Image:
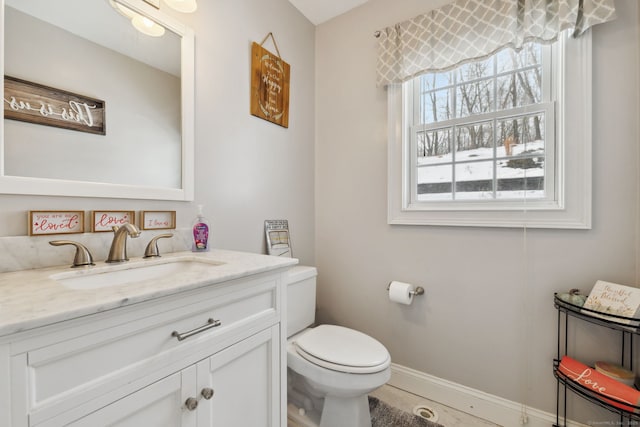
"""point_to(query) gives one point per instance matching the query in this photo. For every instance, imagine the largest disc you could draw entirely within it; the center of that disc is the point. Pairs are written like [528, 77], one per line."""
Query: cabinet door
[245, 380]
[161, 404]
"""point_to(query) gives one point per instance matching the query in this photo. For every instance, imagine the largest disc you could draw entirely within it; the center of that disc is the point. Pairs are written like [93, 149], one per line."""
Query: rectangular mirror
[142, 86]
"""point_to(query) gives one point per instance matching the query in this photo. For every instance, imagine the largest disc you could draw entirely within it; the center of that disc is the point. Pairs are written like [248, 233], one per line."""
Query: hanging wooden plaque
[269, 86]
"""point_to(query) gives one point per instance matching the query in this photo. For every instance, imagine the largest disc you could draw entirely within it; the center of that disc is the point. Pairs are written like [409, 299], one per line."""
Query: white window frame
[570, 207]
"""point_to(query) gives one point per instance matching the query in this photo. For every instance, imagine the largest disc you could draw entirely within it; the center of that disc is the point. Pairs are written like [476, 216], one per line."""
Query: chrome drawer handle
[182, 336]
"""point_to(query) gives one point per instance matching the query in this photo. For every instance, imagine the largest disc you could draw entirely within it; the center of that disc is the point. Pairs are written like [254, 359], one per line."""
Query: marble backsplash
[29, 252]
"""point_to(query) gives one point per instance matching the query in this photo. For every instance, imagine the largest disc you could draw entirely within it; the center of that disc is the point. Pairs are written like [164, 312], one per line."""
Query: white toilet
[331, 368]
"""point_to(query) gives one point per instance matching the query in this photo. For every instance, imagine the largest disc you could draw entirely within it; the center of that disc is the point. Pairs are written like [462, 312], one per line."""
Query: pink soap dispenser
[200, 233]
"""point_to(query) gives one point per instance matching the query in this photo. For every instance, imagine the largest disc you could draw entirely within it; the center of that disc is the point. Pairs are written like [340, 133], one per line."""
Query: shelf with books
[628, 328]
[609, 320]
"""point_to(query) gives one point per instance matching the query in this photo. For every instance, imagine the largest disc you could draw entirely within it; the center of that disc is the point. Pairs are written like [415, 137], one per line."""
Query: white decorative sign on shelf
[278, 241]
[611, 298]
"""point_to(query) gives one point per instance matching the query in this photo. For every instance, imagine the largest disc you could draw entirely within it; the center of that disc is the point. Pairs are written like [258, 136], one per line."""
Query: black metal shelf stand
[628, 327]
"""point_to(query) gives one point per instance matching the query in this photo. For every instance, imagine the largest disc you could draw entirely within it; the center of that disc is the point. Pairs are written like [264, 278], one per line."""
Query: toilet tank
[301, 298]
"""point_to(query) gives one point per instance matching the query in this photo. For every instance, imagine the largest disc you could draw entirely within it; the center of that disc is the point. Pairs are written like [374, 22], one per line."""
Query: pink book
[601, 384]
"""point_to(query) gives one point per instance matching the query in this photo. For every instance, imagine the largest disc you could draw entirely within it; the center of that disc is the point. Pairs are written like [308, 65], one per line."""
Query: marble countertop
[31, 298]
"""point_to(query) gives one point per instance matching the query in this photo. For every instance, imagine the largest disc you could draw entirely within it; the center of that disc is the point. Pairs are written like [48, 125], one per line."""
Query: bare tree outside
[477, 141]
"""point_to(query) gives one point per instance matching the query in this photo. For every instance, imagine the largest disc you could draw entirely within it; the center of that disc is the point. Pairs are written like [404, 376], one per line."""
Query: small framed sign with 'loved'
[55, 222]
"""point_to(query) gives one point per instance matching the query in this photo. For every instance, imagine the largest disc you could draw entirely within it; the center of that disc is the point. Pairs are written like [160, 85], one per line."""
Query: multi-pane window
[485, 131]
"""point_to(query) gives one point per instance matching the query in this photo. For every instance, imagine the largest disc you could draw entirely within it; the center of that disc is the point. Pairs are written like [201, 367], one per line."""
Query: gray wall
[247, 169]
[487, 320]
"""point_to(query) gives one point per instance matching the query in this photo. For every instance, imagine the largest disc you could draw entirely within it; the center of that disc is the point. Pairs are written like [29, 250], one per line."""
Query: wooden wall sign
[105, 220]
[34, 103]
[55, 222]
[269, 85]
[158, 220]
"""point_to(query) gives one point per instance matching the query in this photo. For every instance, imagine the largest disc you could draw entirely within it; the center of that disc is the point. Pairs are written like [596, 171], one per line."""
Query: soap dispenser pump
[200, 233]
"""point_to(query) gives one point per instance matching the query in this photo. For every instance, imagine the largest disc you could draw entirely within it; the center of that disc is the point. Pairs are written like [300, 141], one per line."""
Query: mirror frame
[55, 187]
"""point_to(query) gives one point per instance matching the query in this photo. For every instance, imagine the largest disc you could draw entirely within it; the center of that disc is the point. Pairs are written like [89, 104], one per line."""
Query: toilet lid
[343, 349]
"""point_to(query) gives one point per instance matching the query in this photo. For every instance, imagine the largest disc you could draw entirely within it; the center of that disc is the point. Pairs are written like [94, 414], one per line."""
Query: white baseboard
[477, 403]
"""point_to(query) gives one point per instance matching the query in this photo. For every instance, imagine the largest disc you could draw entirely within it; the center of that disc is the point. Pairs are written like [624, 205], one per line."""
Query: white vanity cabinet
[127, 367]
[226, 389]
[158, 404]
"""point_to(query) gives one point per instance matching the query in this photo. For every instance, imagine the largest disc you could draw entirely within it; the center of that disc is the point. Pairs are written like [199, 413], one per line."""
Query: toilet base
[298, 417]
[345, 412]
[311, 407]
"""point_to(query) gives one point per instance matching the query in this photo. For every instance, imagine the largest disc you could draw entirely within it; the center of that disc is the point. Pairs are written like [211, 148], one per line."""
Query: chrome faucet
[118, 251]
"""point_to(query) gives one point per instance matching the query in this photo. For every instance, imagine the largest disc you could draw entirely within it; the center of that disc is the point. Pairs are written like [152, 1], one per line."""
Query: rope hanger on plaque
[269, 84]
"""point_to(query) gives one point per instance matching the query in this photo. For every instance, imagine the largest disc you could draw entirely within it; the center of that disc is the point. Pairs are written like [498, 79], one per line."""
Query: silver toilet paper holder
[419, 290]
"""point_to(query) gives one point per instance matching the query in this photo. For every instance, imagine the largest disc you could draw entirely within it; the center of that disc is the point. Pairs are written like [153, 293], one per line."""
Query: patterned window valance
[468, 30]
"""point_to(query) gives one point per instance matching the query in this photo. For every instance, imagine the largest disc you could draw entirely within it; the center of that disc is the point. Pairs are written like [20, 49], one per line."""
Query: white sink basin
[134, 272]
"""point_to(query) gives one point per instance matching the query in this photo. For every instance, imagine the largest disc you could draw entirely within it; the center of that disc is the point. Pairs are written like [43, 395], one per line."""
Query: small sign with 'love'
[106, 220]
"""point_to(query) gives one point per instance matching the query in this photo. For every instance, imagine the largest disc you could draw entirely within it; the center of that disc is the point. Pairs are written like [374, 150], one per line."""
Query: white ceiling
[319, 11]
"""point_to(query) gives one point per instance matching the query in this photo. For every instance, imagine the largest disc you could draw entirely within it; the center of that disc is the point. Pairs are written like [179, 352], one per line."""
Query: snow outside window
[485, 143]
[484, 131]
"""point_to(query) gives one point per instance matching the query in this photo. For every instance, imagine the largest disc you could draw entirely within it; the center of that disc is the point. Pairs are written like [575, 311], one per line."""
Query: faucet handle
[83, 256]
[152, 247]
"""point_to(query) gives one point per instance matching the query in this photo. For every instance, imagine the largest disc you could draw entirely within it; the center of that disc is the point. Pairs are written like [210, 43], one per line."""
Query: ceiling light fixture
[139, 22]
[147, 26]
[122, 9]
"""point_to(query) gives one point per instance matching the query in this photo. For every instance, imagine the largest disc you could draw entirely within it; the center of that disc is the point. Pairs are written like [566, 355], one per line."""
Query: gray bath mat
[383, 415]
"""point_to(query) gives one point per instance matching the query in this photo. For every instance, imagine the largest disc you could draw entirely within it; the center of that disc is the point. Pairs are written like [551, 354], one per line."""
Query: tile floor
[405, 401]
[447, 416]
